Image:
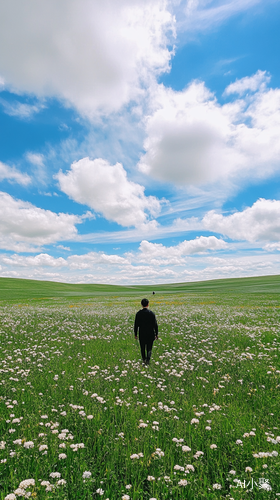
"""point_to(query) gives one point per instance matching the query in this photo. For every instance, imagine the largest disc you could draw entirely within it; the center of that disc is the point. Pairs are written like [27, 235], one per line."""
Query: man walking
[146, 323]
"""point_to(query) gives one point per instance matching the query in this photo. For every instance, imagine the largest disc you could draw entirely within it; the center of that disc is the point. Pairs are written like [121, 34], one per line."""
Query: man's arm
[156, 328]
[136, 326]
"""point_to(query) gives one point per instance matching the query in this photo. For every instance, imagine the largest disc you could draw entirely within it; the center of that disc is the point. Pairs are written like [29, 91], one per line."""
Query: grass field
[82, 418]
[14, 289]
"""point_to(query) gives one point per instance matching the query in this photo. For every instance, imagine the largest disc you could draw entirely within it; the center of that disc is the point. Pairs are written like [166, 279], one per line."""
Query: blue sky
[139, 141]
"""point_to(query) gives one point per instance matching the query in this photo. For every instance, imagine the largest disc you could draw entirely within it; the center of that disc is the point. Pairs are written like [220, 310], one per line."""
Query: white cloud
[92, 259]
[106, 189]
[94, 55]
[24, 226]
[200, 15]
[21, 110]
[36, 159]
[261, 222]
[139, 267]
[271, 247]
[187, 137]
[258, 81]
[12, 174]
[40, 173]
[193, 140]
[156, 252]
[62, 247]
[40, 260]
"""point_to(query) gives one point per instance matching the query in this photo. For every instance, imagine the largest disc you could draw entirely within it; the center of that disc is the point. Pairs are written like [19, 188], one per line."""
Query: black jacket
[146, 323]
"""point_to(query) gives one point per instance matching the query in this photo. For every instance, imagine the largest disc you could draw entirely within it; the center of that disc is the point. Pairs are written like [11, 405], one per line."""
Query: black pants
[146, 343]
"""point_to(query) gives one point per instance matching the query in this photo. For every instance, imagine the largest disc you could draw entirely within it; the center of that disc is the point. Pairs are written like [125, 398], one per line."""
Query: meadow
[82, 418]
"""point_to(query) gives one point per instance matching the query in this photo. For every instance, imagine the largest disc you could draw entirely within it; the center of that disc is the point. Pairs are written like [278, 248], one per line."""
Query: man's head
[144, 302]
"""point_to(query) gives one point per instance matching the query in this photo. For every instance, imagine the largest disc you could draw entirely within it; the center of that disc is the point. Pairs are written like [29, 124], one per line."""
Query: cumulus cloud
[40, 260]
[193, 140]
[271, 247]
[94, 55]
[13, 175]
[151, 261]
[261, 222]
[253, 83]
[91, 259]
[24, 226]
[152, 252]
[151, 264]
[187, 137]
[106, 189]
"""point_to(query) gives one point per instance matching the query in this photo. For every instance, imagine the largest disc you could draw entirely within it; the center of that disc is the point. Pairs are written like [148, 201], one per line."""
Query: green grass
[70, 357]
[14, 289]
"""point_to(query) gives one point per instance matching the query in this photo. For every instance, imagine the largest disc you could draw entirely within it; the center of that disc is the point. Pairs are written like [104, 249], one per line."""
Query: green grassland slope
[23, 289]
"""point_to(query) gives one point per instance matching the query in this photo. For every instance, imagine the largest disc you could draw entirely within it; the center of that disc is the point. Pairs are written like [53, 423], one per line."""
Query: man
[146, 323]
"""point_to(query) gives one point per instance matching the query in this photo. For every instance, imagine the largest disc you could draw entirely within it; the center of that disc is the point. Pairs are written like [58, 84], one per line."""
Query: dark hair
[144, 302]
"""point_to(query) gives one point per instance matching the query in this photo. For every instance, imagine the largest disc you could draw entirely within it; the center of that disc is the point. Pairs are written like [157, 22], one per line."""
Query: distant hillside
[12, 288]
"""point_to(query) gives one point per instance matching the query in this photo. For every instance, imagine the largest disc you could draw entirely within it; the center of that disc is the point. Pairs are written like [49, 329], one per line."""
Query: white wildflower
[217, 486]
[189, 467]
[55, 475]
[26, 483]
[19, 492]
[43, 447]
[86, 474]
[186, 448]
[178, 467]
[194, 421]
[28, 444]
[159, 453]
[17, 441]
[183, 482]
[61, 482]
